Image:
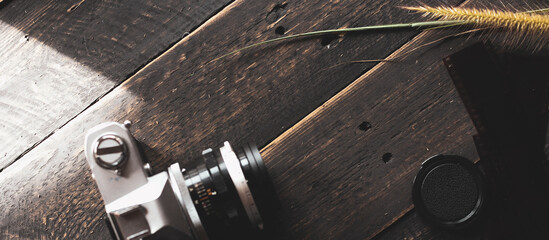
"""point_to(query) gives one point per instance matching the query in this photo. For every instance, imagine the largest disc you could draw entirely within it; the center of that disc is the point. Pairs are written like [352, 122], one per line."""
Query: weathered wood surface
[329, 173]
[528, 75]
[58, 57]
[335, 179]
[411, 226]
[180, 106]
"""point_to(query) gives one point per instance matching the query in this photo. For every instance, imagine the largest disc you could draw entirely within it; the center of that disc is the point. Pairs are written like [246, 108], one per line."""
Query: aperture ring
[241, 185]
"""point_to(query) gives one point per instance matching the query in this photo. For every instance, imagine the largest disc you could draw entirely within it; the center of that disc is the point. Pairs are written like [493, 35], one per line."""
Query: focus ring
[240, 182]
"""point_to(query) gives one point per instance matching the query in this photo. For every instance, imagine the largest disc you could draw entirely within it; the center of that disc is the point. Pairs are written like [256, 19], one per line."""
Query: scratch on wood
[73, 7]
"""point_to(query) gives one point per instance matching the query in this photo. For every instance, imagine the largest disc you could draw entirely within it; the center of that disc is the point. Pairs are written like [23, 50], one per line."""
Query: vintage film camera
[229, 195]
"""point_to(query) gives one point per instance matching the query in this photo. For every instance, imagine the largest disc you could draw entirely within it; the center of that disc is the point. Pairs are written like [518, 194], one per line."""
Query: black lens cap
[450, 192]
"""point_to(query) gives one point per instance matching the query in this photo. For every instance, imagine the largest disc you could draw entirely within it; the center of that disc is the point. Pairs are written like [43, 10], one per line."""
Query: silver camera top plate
[126, 171]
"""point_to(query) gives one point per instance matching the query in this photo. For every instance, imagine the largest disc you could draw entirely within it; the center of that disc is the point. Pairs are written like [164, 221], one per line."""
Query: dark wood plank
[410, 227]
[58, 57]
[336, 180]
[113, 38]
[179, 106]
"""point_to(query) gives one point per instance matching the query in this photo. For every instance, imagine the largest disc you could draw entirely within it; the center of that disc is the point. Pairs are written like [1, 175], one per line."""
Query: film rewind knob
[110, 152]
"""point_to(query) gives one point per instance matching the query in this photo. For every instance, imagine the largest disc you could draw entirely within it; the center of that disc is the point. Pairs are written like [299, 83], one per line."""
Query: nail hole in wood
[364, 126]
[387, 157]
[325, 41]
[280, 30]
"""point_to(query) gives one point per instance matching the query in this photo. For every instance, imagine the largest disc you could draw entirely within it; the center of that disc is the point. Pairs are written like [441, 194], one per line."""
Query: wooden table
[342, 140]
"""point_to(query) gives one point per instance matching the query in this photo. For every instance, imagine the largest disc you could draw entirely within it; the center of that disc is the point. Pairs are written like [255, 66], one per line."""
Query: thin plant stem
[430, 25]
[346, 30]
[446, 26]
[538, 10]
[401, 55]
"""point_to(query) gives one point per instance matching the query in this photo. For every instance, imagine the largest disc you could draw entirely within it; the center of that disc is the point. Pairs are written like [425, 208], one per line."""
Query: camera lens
[232, 193]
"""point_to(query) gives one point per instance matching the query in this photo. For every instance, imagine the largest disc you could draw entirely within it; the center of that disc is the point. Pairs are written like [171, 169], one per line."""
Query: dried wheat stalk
[532, 23]
[525, 22]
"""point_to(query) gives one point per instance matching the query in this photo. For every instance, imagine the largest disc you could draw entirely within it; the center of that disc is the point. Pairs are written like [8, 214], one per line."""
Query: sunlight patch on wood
[40, 90]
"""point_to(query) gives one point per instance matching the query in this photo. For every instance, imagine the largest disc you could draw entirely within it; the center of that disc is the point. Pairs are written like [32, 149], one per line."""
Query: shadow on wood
[507, 100]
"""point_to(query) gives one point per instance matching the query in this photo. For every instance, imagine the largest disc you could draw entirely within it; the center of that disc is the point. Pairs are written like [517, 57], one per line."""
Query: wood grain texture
[410, 227]
[335, 199]
[112, 37]
[333, 176]
[180, 106]
[58, 57]
[527, 73]
[40, 90]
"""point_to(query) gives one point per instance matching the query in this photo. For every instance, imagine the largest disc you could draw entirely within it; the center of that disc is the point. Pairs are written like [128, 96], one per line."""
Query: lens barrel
[225, 212]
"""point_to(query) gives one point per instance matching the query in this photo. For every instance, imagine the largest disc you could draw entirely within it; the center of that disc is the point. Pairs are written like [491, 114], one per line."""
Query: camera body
[229, 195]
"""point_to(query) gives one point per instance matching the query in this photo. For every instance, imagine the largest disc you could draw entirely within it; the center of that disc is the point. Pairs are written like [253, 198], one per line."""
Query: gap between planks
[279, 140]
[212, 18]
[333, 102]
